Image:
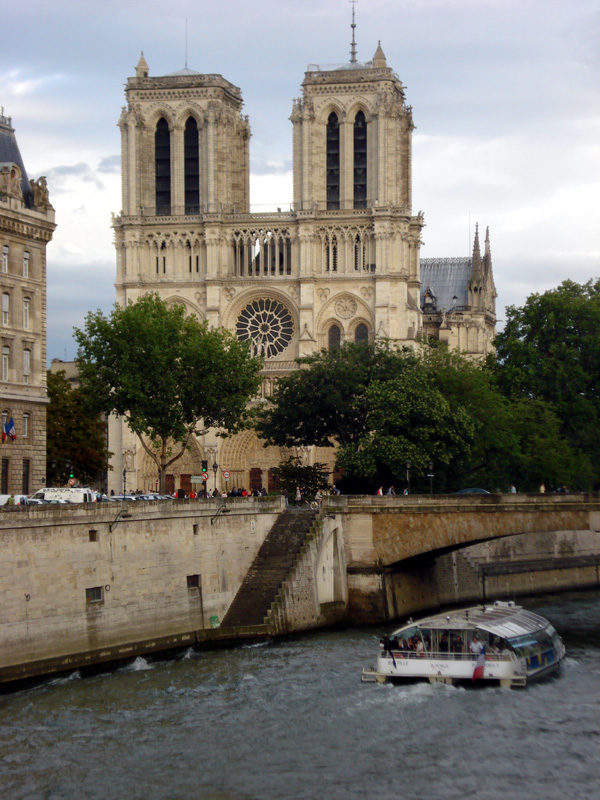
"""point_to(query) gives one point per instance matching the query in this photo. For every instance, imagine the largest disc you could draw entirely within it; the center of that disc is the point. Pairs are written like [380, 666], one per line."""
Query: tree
[170, 376]
[292, 473]
[324, 403]
[76, 435]
[550, 350]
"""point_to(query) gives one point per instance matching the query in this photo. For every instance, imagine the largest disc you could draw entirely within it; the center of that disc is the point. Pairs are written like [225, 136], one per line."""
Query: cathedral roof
[447, 278]
[10, 154]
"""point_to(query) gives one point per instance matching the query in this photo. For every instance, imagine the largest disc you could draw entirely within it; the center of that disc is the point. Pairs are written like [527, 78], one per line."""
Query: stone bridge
[397, 548]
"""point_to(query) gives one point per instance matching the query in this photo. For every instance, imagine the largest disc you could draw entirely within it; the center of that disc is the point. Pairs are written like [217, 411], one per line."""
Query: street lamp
[430, 476]
[408, 466]
[215, 468]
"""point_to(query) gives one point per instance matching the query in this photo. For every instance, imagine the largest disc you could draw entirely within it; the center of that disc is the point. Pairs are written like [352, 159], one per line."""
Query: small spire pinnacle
[353, 42]
[141, 69]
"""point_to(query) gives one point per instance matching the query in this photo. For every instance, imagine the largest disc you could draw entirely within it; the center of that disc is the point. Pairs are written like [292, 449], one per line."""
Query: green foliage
[549, 350]
[166, 373]
[292, 473]
[324, 403]
[75, 435]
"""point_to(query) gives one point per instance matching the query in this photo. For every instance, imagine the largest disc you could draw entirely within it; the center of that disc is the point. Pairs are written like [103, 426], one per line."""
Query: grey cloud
[58, 177]
[110, 165]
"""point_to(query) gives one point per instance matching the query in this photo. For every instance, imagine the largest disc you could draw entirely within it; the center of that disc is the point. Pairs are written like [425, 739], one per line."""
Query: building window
[192, 168]
[335, 337]
[26, 473]
[361, 334]
[5, 308]
[193, 581]
[331, 255]
[26, 365]
[5, 258]
[4, 474]
[25, 264]
[162, 166]
[333, 162]
[26, 313]
[25, 428]
[360, 161]
[94, 595]
[93, 535]
[5, 366]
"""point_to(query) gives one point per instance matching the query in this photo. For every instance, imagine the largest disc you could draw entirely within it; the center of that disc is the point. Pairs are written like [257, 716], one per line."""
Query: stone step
[270, 568]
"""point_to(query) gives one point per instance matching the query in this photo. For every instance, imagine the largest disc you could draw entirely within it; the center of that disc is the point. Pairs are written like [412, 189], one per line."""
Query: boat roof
[506, 620]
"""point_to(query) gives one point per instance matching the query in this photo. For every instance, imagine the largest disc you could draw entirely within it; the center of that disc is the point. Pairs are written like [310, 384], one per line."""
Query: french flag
[479, 665]
[12, 431]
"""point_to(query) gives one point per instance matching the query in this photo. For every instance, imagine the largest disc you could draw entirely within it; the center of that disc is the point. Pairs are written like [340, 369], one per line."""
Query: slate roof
[9, 154]
[447, 278]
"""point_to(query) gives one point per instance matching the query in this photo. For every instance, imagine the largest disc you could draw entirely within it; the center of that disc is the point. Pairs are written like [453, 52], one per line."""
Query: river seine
[292, 720]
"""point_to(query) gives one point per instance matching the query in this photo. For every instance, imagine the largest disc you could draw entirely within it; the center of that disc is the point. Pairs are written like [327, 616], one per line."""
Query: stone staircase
[276, 557]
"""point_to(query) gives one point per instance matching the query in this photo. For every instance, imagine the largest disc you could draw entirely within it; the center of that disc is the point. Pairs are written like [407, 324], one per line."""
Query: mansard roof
[10, 154]
[447, 278]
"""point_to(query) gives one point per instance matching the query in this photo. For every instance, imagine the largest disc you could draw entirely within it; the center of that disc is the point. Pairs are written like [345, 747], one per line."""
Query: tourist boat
[501, 643]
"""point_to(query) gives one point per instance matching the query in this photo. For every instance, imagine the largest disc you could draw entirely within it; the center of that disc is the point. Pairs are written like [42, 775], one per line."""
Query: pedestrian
[543, 488]
[391, 490]
[380, 491]
[285, 493]
[298, 496]
[513, 489]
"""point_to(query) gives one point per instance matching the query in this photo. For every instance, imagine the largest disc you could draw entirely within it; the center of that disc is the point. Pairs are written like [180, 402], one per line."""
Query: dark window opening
[162, 166]
[333, 162]
[26, 474]
[193, 581]
[361, 334]
[4, 477]
[94, 595]
[360, 161]
[192, 167]
[335, 338]
[93, 536]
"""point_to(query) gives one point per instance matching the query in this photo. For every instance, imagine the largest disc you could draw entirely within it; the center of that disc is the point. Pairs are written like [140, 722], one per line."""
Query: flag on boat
[12, 431]
[479, 665]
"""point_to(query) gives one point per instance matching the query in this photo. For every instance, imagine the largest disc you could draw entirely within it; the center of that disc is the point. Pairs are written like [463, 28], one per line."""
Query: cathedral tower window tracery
[333, 162]
[360, 161]
[192, 167]
[334, 337]
[162, 167]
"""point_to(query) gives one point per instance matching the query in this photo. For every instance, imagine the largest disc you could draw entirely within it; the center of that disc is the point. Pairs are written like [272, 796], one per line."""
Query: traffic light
[204, 467]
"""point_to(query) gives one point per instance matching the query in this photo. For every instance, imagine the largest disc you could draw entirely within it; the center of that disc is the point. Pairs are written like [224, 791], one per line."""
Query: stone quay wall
[74, 592]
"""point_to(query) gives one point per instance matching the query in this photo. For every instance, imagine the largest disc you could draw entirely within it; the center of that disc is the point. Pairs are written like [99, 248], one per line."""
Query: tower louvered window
[162, 165]
[333, 162]
[360, 161]
[334, 337]
[192, 168]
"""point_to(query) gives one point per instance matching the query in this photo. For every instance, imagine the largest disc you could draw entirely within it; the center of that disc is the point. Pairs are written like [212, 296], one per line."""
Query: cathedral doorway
[256, 482]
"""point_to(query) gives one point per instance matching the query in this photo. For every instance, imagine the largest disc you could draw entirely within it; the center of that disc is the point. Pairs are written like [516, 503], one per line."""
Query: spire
[141, 69]
[353, 42]
[379, 60]
[476, 265]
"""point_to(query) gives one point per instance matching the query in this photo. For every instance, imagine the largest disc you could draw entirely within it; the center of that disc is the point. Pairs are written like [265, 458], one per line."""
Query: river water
[292, 720]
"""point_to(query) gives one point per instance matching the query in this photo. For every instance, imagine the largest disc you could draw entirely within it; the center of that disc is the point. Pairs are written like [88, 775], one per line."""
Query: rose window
[267, 325]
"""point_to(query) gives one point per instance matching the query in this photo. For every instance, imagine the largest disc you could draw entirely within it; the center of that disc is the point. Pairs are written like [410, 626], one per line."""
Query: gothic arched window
[360, 161]
[361, 334]
[162, 166]
[333, 162]
[192, 167]
[334, 337]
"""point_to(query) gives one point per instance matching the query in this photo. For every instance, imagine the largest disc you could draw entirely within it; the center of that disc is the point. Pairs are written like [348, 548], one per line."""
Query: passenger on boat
[457, 644]
[420, 648]
[476, 645]
[444, 645]
[387, 647]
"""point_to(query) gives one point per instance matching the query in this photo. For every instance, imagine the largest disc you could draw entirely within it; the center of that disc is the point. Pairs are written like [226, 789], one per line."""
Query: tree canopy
[169, 375]
[549, 351]
[382, 406]
[76, 435]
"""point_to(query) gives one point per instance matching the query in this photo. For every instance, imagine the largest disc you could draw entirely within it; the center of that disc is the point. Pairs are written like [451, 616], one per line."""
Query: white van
[67, 494]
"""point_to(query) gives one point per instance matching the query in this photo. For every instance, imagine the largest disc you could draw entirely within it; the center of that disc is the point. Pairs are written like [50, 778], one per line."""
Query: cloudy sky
[505, 97]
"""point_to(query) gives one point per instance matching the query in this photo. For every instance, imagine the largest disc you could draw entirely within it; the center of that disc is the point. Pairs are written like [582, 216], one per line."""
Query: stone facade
[342, 264]
[26, 227]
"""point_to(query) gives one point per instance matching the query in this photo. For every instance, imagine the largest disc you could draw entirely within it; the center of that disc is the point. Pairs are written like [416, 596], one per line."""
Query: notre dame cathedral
[342, 265]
